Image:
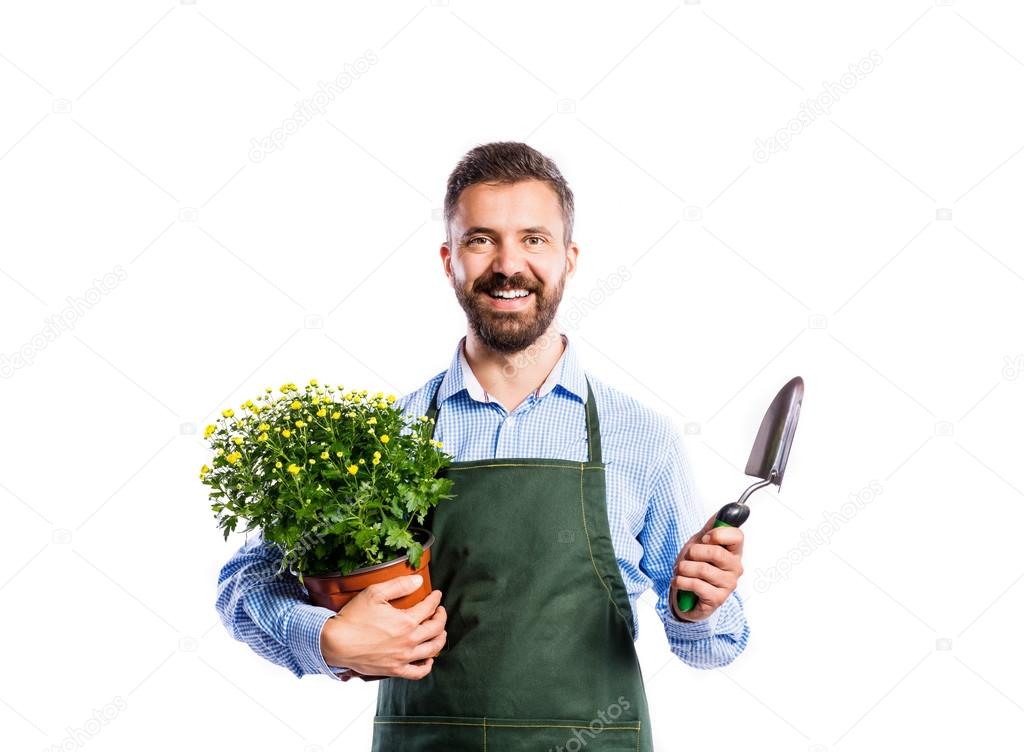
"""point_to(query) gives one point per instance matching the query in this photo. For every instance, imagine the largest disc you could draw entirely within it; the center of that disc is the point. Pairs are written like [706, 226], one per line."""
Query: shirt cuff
[303, 638]
[691, 630]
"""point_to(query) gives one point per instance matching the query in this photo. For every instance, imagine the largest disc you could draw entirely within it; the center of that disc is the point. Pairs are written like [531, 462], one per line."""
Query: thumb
[396, 588]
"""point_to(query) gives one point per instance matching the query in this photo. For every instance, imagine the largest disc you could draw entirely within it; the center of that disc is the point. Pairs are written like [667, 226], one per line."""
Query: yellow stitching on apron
[590, 550]
[452, 468]
[510, 725]
[485, 735]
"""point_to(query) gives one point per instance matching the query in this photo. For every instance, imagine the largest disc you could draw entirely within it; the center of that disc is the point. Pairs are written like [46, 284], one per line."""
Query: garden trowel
[767, 461]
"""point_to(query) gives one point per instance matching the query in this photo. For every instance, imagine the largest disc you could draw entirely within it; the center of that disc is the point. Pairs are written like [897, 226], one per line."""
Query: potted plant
[335, 479]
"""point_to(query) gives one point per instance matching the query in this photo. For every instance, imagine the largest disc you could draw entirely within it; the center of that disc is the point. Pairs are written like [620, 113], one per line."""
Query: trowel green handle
[731, 515]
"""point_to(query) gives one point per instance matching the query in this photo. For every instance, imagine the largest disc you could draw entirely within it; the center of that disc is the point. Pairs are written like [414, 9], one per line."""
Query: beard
[509, 331]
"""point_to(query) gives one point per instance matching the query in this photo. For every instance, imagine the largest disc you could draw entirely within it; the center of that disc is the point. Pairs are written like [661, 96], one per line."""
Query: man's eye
[536, 237]
[473, 240]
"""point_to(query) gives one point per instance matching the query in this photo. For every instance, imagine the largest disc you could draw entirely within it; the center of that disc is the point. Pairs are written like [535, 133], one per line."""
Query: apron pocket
[462, 734]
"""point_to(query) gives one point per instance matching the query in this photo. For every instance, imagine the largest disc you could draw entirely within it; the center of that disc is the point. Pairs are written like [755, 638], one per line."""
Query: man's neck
[511, 377]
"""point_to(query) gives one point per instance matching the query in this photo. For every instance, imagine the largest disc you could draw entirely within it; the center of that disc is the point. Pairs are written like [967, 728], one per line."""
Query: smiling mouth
[518, 296]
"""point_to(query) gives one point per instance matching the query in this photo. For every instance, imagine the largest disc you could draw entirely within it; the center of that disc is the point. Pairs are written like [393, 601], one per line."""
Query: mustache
[493, 284]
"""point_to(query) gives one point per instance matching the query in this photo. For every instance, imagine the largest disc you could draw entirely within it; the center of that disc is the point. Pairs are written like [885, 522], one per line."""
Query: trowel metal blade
[775, 437]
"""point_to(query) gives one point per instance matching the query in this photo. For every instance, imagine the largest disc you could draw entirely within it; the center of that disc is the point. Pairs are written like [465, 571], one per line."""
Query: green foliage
[334, 478]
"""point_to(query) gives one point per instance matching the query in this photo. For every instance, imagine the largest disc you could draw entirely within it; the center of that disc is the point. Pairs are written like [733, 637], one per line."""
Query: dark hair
[507, 162]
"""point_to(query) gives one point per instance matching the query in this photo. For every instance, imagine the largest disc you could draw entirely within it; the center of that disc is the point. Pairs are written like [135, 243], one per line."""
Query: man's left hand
[709, 565]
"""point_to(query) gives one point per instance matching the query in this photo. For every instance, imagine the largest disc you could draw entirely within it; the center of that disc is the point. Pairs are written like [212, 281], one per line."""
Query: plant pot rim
[373, 567]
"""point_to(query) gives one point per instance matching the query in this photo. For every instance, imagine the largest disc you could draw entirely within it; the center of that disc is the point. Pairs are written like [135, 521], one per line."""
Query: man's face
[508, 238]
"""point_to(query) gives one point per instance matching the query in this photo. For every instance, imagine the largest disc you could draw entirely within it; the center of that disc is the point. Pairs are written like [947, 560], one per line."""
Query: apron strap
[593, 426]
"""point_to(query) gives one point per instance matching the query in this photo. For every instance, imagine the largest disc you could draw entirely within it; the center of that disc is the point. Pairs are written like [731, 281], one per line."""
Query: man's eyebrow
[489, 231]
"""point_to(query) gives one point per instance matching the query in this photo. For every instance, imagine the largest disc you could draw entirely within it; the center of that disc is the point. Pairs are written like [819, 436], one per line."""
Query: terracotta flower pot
[334, 590]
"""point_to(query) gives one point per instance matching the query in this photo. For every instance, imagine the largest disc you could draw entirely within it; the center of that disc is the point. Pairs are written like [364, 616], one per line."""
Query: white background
[879, 256]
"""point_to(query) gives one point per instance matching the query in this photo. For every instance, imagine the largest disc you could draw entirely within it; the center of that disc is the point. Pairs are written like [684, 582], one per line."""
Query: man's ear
[570, 259]
[446, 263]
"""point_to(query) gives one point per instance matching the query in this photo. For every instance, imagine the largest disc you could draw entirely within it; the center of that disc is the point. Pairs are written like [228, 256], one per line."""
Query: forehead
[524, 203]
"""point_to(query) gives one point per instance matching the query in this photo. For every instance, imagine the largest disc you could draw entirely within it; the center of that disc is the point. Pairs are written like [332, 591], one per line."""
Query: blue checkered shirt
[653, 509]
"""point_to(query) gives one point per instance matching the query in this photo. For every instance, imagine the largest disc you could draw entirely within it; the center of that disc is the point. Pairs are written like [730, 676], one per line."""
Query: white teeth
[508, 295]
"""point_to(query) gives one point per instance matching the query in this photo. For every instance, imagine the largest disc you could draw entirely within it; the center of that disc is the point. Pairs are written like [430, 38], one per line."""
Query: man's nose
[508, 259]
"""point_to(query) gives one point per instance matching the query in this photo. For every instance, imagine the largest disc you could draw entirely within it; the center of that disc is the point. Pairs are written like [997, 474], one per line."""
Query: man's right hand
[372, 637]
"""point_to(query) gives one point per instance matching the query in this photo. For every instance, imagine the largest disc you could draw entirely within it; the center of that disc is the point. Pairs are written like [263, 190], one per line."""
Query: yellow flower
[382, 404]
[384, 439]
[296, 405]
[371, 422]
[294, 469]
[237, 439]
[247, 403]
[263, 436]
[321, 412]
[218, 451]
[263, 427]
[228, 413]
[234, 457]
[209, 430]
[325, 455]
[392, 398]
[335, 416]
[286, 433]
[376, 460]
[278, 465]
[353, 469]
[300, 423]
[378, 395]
[362, 461]
[312, 461]
[315, 400]
[203, 471]
[339, 454]
[312, 382]
[376, 455]
[423, 418]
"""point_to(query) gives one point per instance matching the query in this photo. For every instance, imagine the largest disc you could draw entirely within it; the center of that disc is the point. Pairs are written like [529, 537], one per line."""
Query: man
[572, 499]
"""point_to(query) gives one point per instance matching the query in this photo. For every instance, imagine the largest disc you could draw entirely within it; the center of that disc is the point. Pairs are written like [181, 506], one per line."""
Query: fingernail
[417, 579]
[706, 538]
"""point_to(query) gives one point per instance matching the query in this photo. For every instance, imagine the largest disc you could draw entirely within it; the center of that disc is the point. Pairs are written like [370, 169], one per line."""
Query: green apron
[540, 652]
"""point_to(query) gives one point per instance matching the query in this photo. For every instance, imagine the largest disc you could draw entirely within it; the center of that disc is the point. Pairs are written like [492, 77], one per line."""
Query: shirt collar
[566, 373]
